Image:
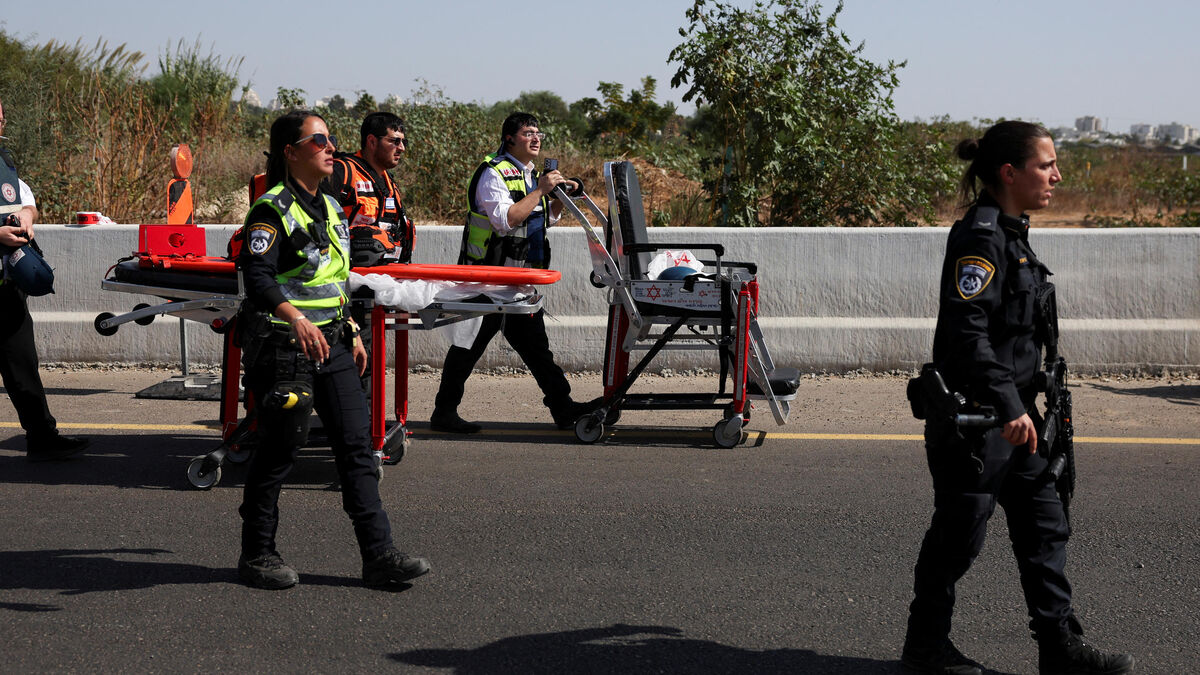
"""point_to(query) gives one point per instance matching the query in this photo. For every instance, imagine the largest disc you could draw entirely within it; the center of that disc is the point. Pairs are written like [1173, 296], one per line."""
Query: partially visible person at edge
[18, 351]
[380, 231]
[299, 346]
[986, 347]
[509, 211]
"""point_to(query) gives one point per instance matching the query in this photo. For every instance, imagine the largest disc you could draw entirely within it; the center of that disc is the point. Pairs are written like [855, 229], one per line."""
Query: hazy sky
[1045, 60]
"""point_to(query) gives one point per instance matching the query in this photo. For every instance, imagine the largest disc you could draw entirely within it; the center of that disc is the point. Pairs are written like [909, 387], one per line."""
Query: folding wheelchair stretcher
[208, 289]
[714, 310]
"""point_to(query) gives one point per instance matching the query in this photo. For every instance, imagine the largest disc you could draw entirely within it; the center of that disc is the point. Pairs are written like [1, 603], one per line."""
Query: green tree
[447, 140]
[627, 123]
[289, 99]
[804, 125]
[365, 105]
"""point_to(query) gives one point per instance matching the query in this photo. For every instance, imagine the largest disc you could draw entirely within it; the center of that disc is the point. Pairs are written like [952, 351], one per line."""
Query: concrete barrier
[833, 299]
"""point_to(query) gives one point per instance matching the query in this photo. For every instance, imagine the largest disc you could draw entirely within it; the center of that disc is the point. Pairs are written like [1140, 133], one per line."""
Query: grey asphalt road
[649, 552]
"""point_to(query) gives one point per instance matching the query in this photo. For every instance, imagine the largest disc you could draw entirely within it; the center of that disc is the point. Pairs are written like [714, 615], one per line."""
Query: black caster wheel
[612, 417]
[145, 320]
[396, 447]
[727, 433]
[104, 316]
[589, 429]
[239, 454]
[201, 478]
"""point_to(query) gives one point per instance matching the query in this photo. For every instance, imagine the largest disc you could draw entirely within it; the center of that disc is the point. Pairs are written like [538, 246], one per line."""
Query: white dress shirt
[493, 198]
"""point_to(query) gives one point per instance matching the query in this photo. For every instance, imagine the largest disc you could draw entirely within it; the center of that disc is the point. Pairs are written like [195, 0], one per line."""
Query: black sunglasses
[319, 140]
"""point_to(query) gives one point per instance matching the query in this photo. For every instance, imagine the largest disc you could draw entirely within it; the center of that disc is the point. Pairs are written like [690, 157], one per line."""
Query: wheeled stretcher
[716, 309]
[208, 290]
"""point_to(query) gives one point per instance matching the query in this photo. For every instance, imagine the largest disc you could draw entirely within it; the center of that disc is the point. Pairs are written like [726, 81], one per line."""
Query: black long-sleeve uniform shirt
[986, 344]
[267, 244]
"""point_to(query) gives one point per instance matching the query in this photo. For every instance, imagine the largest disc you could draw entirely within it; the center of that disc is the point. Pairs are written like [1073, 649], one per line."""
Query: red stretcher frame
[204, 471]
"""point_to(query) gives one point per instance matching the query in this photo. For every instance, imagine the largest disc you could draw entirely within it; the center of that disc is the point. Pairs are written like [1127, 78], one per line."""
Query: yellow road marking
[764, 435]
[1119, 440]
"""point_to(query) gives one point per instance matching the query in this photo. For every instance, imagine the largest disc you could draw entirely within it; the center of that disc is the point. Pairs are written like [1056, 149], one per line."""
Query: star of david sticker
[653, 293]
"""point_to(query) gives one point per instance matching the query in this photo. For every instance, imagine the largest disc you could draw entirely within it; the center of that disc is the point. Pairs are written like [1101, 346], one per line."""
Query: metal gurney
[718, 308]
[207, 289]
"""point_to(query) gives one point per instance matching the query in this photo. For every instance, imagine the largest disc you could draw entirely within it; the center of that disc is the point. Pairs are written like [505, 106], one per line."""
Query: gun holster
[287, 410]
[929, 396]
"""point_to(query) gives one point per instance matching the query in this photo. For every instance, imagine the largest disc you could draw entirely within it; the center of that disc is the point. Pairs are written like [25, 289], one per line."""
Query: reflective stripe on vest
[368, 193]
[480, 240]
[317, 284]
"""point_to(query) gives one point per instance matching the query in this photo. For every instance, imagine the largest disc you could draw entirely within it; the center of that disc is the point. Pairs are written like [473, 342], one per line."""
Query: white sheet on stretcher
[411, 295]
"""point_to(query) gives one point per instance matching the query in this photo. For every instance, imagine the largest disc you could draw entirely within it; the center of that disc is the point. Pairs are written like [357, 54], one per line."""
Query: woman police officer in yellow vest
[301, 352]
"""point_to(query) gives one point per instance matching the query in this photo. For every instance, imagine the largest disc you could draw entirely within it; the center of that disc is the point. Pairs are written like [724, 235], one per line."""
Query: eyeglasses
[541, 136]
[397, 141]
[319, 140]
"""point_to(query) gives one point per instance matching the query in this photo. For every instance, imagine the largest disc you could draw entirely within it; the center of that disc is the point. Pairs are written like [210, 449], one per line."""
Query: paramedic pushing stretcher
[380, 231]
[300, 352]
[509, 211]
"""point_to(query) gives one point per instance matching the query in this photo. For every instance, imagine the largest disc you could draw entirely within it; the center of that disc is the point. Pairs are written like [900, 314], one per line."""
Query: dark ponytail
[1008, 142]
[285, 130]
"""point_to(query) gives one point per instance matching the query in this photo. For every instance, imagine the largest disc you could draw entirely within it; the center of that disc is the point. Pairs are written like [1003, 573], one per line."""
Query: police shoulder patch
[973, 274]
[260, 238]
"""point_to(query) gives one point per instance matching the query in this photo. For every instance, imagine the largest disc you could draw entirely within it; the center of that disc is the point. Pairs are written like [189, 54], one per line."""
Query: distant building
[251, 98]
[1088, 124]
[1177, 133]
[1143, 132]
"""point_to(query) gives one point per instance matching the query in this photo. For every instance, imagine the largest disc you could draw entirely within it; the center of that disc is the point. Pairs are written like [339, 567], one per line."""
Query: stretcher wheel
[612, 417]
[589, 429]
[727, 433]
[145, 320]
[595, 280]
[104, 316]
[238, 454]
[394, 455]
[729, 413]
[199, 477]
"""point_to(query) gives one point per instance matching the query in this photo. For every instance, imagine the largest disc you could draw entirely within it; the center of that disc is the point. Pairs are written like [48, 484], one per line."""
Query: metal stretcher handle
[650, 248]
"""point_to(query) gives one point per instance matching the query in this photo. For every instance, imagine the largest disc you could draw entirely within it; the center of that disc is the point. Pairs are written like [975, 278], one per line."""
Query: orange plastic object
[181, 161]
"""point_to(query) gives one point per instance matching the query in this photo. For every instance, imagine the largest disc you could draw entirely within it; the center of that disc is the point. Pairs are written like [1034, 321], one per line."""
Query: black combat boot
[267, 571]
[392, 567]
[54, 447]
[565, 415]
[1066, 653]
[939, 658]
[448, 421]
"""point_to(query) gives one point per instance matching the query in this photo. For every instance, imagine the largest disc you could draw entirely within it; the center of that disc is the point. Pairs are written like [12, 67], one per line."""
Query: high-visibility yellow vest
[483, 245]
[315, 281]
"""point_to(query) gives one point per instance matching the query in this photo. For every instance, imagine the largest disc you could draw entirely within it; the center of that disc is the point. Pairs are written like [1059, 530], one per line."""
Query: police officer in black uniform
[18, 351]
[986, 348]
[301, 353]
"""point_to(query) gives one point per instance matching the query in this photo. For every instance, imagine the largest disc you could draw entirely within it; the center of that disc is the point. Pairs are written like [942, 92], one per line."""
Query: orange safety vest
[373, 202]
